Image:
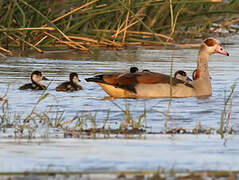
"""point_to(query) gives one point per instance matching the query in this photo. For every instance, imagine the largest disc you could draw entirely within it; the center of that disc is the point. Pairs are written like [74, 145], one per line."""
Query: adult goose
[155, 85]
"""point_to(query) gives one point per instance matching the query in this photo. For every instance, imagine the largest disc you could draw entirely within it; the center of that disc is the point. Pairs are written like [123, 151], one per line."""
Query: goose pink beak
[221, 50]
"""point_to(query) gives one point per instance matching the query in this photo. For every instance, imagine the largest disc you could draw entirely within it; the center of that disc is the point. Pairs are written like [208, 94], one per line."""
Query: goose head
[73, 77]
[134, 69]
[37, 76]
[212, 45]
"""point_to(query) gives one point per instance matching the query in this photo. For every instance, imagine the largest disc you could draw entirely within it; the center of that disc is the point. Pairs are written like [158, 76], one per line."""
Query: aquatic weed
[226, 112]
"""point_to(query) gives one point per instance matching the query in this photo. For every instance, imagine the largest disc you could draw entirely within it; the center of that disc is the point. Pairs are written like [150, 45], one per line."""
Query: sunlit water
[185, 112]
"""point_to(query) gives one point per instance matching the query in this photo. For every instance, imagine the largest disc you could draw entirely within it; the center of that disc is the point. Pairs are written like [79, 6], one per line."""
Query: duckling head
[37, 76]
[180, 74]
[134, 69]
[74, 77]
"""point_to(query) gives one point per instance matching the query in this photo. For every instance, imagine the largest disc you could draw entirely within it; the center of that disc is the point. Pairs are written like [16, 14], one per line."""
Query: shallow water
[185, 112]
[180, 152]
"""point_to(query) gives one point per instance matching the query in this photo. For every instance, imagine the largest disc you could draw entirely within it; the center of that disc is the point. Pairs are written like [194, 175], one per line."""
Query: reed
[27, 24]
[35, 122]
[226, 112]
[124, 174]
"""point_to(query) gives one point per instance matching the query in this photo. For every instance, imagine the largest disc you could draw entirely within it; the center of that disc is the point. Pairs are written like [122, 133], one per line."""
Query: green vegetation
[85, 24]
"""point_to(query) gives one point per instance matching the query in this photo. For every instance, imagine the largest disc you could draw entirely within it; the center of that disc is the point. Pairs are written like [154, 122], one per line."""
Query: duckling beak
[44, 78]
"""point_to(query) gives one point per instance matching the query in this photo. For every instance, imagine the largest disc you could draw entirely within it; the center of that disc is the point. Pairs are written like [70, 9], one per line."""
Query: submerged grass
[84, 24]
[126, 175]
[226, 112]
[53, 120]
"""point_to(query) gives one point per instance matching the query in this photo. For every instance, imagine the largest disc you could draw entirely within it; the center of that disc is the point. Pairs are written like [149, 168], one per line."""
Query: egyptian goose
[36, 77]
[156, 85]
[71, 85]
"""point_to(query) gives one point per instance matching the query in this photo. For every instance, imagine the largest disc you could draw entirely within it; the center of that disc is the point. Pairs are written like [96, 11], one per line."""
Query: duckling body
[33, 86]
[71, 85]
[36, 77]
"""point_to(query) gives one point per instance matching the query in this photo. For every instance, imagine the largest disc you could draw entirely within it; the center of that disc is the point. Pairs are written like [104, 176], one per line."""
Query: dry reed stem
[1, 54]
[174, 24]
[153, 43]
[14, 40]
[171, 14]
[133, 43]
[5, 50]
[29, 44]
[138, 32]
[189, 45]
[130, 22]
[68, 43]
[229, 23]
[125, 29]
[42, 39]
[83, 48]
[229, 113]
[3, 98]
[5, 102]
[140, 12]
[126, 24]
[57, 29]
[73, 11]
[84, 39]
[75, 43]
[56, 38]
[27, 29]
[118, 31]
[111, 42]
[67, 122]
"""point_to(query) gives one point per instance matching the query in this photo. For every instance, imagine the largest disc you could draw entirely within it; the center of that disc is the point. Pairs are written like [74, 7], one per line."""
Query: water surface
[180, 152]
[136, 154]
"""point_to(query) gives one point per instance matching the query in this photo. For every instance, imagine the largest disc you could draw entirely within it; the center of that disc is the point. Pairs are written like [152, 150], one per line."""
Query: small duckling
[36, 77]
[146, 70]
[181, 75]
[71, 85]
[134, 70]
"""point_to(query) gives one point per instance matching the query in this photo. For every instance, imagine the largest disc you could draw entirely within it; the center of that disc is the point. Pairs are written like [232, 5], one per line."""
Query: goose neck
[202, 63]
